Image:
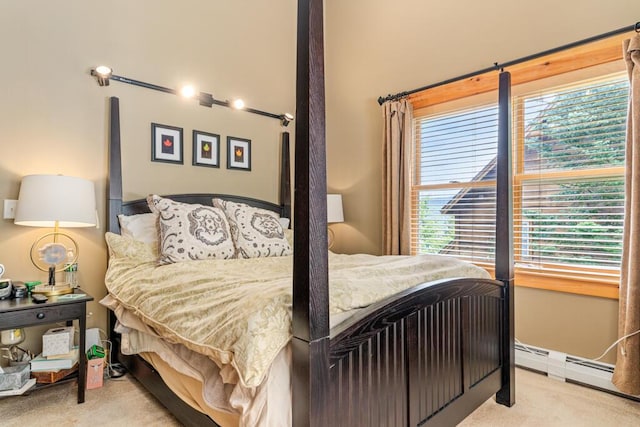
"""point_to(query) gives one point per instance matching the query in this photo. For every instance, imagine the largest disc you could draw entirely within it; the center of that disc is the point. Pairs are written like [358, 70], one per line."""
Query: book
[40, 363]
[73, 354]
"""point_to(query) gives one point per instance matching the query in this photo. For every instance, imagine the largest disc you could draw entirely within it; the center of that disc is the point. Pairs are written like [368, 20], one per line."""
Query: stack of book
[52, 368]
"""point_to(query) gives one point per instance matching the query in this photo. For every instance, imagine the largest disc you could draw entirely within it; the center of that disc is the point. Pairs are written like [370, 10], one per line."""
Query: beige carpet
[541, 401]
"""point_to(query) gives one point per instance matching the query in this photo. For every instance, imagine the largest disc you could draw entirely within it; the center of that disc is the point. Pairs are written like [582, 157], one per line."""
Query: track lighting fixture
[238, 104]
[286, 118]
[188, 91]
[104, 75]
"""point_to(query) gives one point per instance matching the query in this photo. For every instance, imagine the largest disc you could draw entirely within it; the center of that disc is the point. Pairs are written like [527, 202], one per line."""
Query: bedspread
[238, 312]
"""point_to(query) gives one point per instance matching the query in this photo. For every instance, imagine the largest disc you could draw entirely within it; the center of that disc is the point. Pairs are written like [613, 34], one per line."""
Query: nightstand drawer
[39, 315]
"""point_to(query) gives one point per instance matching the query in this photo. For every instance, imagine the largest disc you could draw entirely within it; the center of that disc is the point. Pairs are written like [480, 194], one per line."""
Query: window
[569, 177]
[454, 199]
[568, 147]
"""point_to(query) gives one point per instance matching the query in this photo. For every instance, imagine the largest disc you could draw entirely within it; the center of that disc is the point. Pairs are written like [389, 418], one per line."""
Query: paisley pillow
[256, 232]
[191, 231]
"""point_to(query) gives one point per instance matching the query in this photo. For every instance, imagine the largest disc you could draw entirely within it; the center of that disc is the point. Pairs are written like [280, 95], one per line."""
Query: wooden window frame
[589, 55]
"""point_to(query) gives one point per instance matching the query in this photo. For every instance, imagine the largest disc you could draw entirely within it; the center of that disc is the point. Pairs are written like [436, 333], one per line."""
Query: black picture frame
[238, 153]
[206, 149]
[166, 143]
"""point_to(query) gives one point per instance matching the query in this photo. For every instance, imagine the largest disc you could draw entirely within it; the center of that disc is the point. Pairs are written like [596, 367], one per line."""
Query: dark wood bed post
[504, 240]
[115, 167]
[310, 343]
[285, 177]
[114, 202]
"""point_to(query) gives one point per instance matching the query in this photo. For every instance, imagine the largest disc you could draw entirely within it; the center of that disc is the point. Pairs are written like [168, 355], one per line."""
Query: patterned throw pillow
[256, 232]
[191, 231]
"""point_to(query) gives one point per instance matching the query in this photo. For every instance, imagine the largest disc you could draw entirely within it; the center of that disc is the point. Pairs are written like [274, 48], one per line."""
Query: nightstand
[23, 312]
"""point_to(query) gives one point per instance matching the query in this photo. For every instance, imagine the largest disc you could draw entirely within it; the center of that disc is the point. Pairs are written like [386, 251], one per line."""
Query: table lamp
[334, 214]
[55, 201]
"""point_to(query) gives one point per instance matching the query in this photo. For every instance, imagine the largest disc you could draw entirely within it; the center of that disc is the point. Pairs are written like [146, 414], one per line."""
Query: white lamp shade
[334, 208]
[47, 199]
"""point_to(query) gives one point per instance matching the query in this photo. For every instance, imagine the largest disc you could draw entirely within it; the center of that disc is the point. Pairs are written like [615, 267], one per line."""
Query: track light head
[238, 104]
[188, 91]
[102, 73]
[286, 118]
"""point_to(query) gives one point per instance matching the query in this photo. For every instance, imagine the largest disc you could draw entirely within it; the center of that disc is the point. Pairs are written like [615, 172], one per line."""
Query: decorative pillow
[256, 232]
[126, 247]
[191, 231]
[141, 227]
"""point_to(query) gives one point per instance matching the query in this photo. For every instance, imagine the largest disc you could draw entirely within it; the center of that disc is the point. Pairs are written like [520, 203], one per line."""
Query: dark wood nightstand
[23, 312]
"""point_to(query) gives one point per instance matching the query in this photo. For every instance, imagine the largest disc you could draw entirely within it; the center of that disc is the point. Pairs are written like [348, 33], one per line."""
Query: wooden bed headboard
[117, 206]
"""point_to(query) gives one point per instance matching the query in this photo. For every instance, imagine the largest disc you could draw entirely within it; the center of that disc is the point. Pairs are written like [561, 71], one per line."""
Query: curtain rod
[496, 66]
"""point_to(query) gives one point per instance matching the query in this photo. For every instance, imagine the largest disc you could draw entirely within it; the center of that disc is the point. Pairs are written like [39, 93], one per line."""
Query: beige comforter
[238, 312]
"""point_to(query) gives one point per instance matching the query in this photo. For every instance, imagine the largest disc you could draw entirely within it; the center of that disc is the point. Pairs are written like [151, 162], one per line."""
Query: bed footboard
[429, 356]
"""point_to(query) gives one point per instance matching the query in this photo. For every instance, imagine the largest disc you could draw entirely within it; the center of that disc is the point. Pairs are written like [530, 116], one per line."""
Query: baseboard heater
[564, 367]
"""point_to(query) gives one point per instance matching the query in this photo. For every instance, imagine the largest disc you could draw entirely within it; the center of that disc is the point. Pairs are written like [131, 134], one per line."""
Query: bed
[425, 355]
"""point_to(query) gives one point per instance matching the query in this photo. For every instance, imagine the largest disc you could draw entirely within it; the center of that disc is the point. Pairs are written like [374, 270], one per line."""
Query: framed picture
[166, 143]
[238, 153]
[206, 149]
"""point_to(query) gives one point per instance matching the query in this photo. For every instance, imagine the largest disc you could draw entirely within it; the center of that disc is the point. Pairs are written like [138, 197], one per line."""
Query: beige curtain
[396, 171]
[627, 371]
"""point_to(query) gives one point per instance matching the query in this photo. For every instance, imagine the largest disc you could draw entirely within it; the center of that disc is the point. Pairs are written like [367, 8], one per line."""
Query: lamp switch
[10, 209]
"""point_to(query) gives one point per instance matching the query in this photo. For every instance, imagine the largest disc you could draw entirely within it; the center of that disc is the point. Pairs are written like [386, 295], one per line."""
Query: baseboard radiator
[564, 367]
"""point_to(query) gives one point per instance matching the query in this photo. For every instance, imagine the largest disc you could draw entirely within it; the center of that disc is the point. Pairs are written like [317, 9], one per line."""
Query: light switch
[10, 209]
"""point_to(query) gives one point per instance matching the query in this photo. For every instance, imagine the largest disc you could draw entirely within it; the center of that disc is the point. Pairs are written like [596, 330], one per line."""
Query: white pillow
[140, 227]
[191, 231]
[284, 222]
[256, 232]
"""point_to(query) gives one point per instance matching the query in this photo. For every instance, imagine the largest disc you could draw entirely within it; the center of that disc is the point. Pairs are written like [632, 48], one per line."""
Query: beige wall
[377, 47]
[56, 121]
[53, 115]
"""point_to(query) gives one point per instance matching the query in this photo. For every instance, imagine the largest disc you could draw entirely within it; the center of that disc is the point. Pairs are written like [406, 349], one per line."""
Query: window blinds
[454, 203]
[568, 174]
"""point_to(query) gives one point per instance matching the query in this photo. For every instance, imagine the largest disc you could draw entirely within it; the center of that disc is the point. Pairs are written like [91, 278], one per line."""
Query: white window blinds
[454, 199]
[569, 175]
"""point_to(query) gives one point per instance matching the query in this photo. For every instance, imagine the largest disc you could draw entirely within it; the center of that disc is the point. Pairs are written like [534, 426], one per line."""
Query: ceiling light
[238, 104]
[188, 91]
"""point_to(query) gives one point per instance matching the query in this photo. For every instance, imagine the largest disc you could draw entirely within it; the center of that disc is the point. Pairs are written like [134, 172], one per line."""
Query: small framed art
[238, 153]
[166, 143]
[206, 149]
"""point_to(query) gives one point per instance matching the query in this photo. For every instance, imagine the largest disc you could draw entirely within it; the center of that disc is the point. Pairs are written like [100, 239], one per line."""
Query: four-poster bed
[428, 355]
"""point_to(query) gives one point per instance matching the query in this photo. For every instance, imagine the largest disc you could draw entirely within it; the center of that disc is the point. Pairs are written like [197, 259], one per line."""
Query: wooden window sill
[603, 288]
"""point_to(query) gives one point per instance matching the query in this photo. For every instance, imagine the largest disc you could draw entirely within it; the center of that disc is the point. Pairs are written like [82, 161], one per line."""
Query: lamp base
[330, 237]
[49, 290]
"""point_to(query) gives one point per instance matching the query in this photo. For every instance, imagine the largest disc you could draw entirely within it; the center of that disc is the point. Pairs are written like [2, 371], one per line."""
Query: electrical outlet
[10, 209]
